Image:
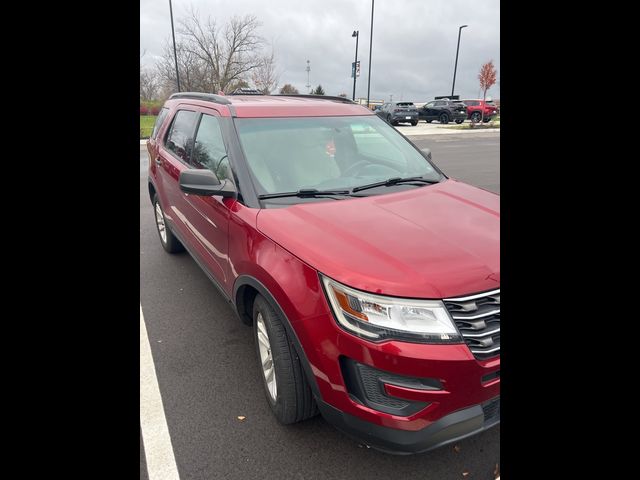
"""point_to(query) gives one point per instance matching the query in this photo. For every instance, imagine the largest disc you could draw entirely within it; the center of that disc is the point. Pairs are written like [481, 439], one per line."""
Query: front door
[209, 215]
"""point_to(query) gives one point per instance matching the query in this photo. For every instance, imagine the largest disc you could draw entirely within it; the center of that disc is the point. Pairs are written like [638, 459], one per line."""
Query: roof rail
[317, 97]
[210, 97]
[246, 91]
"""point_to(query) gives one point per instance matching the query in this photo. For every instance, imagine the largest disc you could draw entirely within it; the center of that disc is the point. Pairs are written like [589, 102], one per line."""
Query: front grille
[491, 410]
[478, 320]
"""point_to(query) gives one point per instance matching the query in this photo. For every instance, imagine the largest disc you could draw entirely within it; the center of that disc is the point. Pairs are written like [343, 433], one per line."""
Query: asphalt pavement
[208, 375]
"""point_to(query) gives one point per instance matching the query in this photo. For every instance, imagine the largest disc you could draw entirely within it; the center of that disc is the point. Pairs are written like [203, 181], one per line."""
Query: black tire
[171, 244]
[459, 121]
[294, 400]
[389, 120]
[428, 121]
[476, 117]
[414, 123]
[487, 120]
[443, 118]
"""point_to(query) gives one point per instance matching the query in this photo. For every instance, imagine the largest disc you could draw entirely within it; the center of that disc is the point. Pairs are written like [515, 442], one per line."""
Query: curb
[447, 131]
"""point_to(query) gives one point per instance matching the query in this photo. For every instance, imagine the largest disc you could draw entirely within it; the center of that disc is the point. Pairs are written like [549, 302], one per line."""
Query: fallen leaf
[241, 417]
[465, 474]
[456, 449]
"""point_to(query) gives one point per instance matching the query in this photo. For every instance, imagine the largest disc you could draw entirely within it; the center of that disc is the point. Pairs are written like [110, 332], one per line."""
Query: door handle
[158, 161]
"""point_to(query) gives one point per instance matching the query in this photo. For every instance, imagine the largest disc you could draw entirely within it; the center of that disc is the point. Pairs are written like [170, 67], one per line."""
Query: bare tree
[148, 85]
[195, 75]
[288, 89]
[227, 55]
[264, 76]
[487, 77]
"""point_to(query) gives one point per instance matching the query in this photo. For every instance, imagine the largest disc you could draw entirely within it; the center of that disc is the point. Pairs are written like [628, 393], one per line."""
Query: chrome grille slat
[473, 317]
[482, 334]
[478, 320]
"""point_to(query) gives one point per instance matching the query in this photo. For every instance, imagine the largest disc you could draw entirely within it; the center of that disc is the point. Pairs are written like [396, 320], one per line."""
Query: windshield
[292, 154]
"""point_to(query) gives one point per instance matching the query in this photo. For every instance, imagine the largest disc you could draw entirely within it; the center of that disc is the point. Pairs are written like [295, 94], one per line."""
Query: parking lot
[208, 375]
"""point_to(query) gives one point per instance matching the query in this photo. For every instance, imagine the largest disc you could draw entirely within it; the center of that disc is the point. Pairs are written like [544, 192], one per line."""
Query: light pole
[175, 53]
[308, 69]
[370, 45]
[456, 66]
[356, 33]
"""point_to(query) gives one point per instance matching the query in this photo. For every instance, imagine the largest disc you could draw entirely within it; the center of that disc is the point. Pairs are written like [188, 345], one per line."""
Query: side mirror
[205, 183]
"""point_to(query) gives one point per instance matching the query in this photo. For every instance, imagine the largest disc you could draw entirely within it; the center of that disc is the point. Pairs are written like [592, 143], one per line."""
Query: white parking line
[161, 464]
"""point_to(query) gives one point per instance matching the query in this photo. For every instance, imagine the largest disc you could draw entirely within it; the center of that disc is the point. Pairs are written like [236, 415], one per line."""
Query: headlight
[377, 317]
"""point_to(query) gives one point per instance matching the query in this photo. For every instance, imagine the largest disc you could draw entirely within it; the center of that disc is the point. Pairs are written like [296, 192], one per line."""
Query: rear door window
[180, 137]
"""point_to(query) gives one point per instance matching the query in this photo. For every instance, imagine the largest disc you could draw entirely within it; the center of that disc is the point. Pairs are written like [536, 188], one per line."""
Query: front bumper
[453, 381]
[448, 429]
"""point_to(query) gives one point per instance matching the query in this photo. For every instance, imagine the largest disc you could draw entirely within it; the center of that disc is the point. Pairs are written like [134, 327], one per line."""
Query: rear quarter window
[159, 121]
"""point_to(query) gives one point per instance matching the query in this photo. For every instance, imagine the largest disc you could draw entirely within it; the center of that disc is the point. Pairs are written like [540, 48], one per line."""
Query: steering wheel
[355, 168]
[371, 169]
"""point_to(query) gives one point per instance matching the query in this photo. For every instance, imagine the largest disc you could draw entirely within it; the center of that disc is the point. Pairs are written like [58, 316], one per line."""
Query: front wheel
[476, 117]
[414, 123]
[286, 387]
[444, 119]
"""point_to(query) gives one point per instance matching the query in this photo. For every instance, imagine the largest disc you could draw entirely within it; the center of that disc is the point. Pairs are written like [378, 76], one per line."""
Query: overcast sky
[414, 41]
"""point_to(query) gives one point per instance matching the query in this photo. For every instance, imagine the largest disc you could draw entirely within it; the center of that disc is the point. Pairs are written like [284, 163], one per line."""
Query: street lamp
[356, 33]
[175, 53]
[370, 45]
[456, 66]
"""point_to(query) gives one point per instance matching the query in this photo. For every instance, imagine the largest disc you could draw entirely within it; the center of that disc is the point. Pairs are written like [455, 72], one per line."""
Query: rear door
[172, 157]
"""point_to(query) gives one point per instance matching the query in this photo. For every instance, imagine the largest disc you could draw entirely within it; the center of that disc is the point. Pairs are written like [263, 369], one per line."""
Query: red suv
[475, 108]
[371, 279]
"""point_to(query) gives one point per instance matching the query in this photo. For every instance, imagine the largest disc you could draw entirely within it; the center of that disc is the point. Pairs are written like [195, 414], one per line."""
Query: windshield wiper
[305, 192]
[393, 181]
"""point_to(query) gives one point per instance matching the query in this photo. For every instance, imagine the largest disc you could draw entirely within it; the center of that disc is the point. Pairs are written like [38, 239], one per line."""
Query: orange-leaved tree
[487, 77]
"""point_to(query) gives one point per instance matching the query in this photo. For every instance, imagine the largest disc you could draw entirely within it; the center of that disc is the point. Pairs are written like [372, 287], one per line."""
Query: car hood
[435, 241]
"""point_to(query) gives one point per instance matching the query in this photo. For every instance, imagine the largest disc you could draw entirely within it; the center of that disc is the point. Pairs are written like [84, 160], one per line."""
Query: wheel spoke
[267, 362]
[268, 374]
[262, 338]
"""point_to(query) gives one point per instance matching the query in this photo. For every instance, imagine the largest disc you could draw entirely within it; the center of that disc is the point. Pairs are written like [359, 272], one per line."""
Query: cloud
[414, 41]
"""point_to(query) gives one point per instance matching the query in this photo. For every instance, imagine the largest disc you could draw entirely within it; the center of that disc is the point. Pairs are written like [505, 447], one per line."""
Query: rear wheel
[444, 118]
[487, 120]
[414, 122]
[459, 121]
[168, 240]
[428, 121]
[286, 387]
